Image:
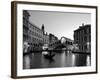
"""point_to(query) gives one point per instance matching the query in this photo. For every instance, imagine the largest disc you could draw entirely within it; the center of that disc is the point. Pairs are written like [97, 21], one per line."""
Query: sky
[59, 23]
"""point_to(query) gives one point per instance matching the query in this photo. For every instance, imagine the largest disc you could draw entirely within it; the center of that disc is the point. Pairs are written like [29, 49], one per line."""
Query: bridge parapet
[62, 43]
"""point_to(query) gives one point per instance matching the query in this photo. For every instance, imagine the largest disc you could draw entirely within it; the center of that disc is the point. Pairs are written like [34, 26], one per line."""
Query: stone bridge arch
[62, 43]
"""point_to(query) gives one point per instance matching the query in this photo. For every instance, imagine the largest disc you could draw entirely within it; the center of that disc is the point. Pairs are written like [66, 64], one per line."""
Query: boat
[49, 55]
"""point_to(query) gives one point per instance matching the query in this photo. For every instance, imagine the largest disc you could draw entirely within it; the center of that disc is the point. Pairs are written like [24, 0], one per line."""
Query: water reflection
[80, 60]
[88, 60]
[73, 60]
[26, 61]
[63, 59]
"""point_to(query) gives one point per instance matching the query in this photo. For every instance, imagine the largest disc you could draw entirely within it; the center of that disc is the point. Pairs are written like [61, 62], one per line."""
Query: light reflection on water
[73, 59]
[63, 59]
[88, 60]
[26, 61]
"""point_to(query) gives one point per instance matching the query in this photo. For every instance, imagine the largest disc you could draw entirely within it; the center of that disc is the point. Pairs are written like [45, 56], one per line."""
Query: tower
[43, 28]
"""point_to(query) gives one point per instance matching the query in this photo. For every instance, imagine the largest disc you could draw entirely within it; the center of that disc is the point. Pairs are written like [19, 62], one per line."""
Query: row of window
[32, 38]
[35, 28]
[31, 26]
[55, 43]
[35, 40]
[84, 39]
[36, 34]
[70, 43]
[84, 48]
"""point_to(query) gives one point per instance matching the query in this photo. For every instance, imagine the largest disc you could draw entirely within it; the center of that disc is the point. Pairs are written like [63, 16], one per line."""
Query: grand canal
[61, 59]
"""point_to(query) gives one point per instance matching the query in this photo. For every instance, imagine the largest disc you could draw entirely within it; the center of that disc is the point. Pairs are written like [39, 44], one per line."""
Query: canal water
[61, 59]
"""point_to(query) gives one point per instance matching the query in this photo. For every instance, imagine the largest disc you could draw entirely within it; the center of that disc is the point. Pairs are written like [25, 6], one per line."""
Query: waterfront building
[25, 25]
[32, 34]
[52, 38]
[53, 41]
[82, 37]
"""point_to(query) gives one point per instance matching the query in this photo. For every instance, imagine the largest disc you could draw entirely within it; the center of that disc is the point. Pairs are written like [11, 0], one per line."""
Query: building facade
[32, 34]
[25, 25]
[53, 41]
[52, 38]
[82, 37]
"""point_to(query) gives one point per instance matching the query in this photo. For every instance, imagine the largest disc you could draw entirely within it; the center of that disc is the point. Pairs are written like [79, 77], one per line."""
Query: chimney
[43, 28]
[82, 25]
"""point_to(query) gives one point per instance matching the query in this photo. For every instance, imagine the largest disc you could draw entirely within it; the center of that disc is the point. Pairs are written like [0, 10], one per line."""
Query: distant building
[53, 40]
[82, 37]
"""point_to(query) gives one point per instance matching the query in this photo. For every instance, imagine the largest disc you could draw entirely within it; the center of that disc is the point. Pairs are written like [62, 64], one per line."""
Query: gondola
[49, 56]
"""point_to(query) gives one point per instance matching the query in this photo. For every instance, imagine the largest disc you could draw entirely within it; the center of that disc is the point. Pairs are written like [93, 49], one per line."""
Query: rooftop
[83, 27]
